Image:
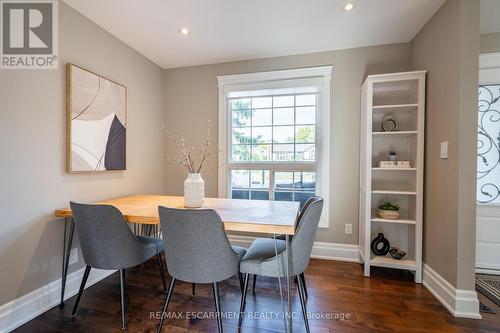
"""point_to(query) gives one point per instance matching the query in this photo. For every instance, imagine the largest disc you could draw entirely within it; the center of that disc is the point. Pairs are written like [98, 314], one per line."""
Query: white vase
[194, 191]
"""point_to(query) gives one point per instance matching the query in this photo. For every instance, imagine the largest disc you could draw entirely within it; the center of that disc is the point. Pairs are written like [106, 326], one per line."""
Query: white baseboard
[321, 250]
[336, 251]
[461, 303]
[23, 309]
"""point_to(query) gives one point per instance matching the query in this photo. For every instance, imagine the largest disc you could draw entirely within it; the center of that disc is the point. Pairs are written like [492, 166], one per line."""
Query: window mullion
[251, 129]
[271, 185]
[272, 129]
[273, 167]
[250, 184]
[294, 128]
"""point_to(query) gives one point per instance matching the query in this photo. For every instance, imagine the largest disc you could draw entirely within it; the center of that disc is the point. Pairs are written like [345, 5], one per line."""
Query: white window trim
[320, 77]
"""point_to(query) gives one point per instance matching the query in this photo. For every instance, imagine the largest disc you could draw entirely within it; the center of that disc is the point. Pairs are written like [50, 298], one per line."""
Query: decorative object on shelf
[394, 164]
[396, 253]
[393, 155]
[388, 164]
[194, 186]
[404, 164]
[380, 245]
[388, 211]
[390, 124]
[96, 122]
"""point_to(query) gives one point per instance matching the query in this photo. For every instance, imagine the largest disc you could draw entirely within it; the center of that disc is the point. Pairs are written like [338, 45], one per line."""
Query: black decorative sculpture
[380, 245]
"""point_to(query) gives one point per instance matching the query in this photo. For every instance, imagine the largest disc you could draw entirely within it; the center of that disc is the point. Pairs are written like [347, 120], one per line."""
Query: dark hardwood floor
[389, 301]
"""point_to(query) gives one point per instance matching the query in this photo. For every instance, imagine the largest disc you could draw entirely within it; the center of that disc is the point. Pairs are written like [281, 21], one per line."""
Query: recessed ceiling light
[349, 6]
[184, 31]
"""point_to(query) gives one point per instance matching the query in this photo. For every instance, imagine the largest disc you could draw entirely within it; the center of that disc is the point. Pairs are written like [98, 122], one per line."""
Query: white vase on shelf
[194, 191]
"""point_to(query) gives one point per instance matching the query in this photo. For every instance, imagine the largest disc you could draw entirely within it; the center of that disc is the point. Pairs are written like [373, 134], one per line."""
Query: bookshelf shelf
[394, 169]
[390, 262]
[400, 221]
[399, 133]
[395, 108]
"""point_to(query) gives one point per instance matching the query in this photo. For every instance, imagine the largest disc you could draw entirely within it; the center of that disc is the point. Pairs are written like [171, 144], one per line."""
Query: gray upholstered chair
[197, 251]
[283, 237]
[260, 258]
[108, 243]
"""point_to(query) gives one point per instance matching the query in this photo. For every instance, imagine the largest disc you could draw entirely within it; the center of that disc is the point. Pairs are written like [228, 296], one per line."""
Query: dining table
[237, 215]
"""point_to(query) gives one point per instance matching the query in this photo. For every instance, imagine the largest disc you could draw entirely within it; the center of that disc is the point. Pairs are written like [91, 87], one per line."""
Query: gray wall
[191, 98]
[448, 47]
[32, 144]
[490, 43]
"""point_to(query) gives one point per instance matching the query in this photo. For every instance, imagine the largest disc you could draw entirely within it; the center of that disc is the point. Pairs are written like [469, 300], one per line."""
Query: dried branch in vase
[193, 160]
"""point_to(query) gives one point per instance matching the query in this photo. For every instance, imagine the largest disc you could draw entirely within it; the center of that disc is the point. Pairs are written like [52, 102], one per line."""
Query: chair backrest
[105, 238]
[303, 240]
[309, 201]
[196, 246]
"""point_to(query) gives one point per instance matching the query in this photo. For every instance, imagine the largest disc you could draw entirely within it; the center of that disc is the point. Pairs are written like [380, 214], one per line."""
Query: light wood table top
[260, 216]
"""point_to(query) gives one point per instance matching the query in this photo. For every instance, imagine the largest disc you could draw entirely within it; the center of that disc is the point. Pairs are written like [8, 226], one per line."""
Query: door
[488, 166]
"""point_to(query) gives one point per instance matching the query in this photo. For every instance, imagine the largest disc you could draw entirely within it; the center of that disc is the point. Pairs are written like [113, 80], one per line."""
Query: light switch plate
[444, 150]
[348, 229]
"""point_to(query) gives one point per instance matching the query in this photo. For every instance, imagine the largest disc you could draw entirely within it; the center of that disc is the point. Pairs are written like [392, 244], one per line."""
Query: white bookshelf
[401, 96]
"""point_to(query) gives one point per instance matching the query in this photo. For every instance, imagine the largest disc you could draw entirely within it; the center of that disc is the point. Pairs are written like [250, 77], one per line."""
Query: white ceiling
[490, 16]
[227, 30]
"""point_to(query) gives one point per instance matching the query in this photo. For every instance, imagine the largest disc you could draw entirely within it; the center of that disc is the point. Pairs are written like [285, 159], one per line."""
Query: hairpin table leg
[66, 254]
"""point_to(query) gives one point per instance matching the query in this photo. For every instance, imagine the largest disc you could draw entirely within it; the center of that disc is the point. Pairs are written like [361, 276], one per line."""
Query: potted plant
[388, 210]
[393, 155]
[193, 160]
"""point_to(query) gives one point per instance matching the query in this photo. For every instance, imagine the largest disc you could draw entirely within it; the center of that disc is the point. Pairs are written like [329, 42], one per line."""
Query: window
[279, 128]
[488, 161]
[273, 143]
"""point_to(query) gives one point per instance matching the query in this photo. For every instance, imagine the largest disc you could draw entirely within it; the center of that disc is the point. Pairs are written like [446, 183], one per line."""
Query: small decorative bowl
[388, 214]
[396, 253]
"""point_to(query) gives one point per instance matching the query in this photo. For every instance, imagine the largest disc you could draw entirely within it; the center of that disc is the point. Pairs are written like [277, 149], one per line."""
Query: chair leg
[303, 278]
[243, 300]
[303, 303]
[165, 306]
[217, 307]
[193, 289]
[254, 282]
[122, 298]
[82, 287]
[162, 272]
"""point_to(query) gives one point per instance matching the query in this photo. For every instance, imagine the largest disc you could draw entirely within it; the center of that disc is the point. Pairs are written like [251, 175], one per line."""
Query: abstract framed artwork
[96, 122]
